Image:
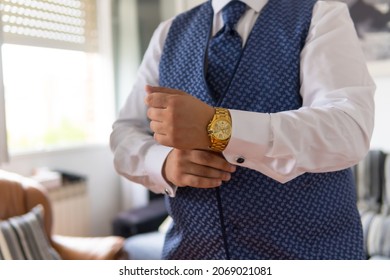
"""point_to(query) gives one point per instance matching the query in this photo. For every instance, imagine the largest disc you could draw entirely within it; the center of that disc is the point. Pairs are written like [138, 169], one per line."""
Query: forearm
[138, 157]
[286, 145]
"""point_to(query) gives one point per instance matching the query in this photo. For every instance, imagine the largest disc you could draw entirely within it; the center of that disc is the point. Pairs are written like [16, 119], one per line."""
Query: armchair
[18, 195]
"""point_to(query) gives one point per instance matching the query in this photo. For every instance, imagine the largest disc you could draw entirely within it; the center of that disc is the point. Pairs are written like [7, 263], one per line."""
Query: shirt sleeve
[333, 128]
[137, 156]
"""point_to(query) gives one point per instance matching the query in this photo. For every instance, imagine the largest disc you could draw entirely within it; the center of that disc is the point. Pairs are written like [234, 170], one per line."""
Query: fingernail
[148, 89]
[226, 176]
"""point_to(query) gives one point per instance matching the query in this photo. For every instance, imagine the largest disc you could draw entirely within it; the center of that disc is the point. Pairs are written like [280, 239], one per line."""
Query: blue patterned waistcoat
[253, 216]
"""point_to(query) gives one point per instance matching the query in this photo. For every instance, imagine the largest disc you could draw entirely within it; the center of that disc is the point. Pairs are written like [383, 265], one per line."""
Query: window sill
[56, 151]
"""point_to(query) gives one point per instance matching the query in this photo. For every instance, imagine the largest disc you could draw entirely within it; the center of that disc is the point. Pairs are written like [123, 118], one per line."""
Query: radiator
[70, 205]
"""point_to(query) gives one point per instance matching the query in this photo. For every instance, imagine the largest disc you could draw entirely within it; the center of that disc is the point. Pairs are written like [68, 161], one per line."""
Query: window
[48, 95]
[51, 73]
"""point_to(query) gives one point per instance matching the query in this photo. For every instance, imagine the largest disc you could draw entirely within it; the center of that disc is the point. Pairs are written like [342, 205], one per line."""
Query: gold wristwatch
[220, 129]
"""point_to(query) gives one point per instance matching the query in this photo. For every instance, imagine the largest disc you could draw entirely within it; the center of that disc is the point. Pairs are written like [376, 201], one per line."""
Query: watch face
[222, 129]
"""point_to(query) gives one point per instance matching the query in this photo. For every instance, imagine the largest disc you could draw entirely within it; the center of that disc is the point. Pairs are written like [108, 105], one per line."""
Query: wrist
[219, 129]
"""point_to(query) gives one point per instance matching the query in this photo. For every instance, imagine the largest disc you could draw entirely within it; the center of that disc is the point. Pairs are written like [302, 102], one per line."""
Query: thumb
[151, 89]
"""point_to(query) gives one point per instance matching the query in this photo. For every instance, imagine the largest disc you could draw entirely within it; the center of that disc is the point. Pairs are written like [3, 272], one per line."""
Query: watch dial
[222, 130]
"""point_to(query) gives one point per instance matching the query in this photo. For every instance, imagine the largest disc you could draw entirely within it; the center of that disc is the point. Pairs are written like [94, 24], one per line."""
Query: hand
[196, 168]
[178, 119]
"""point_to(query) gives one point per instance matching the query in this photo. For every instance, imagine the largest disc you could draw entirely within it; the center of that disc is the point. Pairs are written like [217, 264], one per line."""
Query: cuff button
[240, 160]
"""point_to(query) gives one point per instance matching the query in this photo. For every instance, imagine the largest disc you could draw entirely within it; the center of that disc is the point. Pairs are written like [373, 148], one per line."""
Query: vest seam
[222, 221]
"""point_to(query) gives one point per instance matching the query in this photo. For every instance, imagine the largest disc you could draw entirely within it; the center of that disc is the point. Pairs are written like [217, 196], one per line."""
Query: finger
[155, 114]
[156, 100]
[148, 89]
[165, 138]
[152, 89]
[208, 172]
[162, 138]
[213, 160]
[200, 182]
[157, 128]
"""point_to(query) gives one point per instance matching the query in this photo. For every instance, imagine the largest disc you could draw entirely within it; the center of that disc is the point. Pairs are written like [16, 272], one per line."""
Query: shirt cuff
[250, 132]
[154, 162]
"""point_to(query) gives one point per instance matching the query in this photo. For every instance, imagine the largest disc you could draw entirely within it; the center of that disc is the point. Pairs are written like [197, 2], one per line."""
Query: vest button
[240, 160]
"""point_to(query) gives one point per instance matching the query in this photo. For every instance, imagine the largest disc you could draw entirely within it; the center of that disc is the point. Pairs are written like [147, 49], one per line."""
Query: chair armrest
[89, 248]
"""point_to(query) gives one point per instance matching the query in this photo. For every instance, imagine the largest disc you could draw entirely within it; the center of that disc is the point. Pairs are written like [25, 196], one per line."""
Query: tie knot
[232, 12]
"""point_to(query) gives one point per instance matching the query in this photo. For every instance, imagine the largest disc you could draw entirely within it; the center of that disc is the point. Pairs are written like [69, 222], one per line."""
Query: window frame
[4, 157]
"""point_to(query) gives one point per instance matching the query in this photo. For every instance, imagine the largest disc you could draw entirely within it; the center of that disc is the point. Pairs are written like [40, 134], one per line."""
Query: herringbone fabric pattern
[225, 50]
[252, 216]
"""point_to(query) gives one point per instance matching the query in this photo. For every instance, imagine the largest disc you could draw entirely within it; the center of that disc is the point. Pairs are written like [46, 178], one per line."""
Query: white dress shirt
[331, 131]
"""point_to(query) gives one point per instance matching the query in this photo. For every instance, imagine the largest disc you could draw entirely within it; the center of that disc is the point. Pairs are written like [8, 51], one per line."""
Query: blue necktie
[224, 50]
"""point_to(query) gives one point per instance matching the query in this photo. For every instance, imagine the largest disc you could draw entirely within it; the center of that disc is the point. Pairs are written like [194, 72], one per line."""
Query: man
[252, 145]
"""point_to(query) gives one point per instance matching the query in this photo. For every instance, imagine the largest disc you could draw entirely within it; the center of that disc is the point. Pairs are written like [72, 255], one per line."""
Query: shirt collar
[253, 4]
